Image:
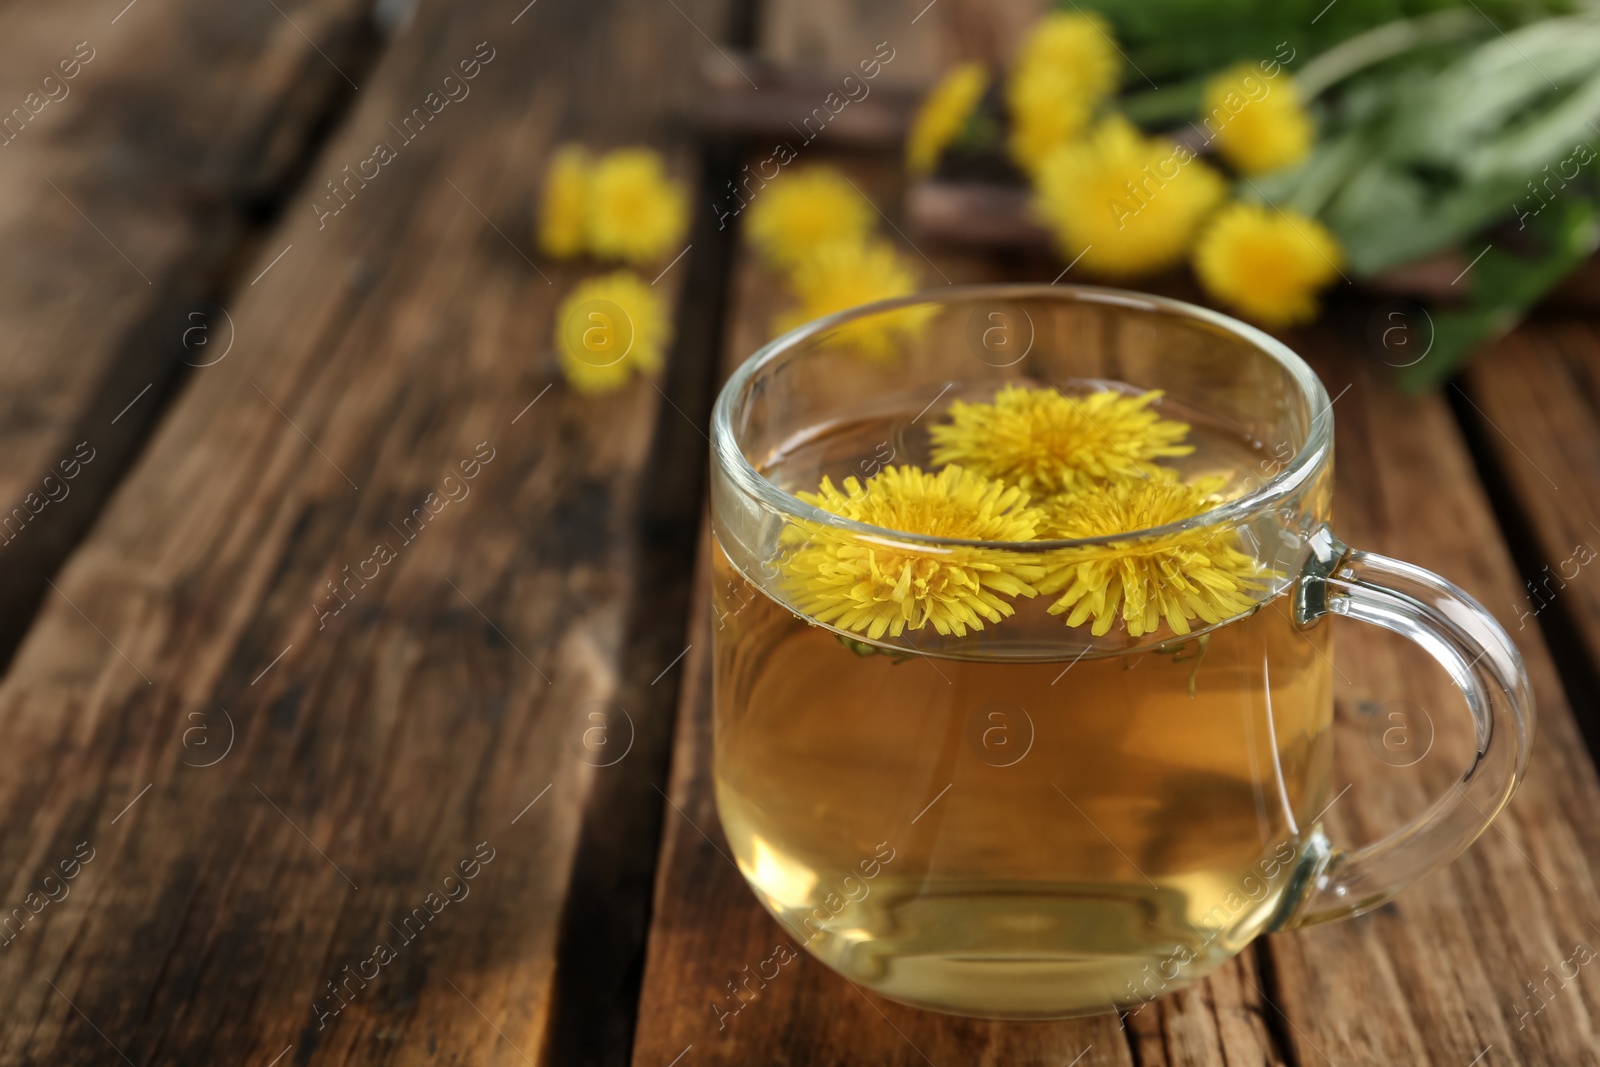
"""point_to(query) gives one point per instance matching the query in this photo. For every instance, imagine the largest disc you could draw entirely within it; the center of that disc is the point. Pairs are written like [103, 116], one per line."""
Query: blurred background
[334, 570]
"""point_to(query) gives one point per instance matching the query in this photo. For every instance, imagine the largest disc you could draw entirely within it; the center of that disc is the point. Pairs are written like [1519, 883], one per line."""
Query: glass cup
[1028, 819]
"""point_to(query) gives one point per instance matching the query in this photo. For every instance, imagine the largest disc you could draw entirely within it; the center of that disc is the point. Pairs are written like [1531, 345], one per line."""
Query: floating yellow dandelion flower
[1068, 64]
[635, 211]
[1127, 203]
[1196, 574]
[563, 212]
[943, 114]
[1259, 124]
[866, 586]
[1267, 264]
[609, 327]
[801, 211]
[845, 274]
[1045, 442]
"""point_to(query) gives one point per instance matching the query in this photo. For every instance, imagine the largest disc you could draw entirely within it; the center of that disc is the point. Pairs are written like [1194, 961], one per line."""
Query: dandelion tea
[1051, 828]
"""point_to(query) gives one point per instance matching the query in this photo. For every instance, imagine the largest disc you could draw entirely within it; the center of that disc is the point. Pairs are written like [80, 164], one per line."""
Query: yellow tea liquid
[1009, 836]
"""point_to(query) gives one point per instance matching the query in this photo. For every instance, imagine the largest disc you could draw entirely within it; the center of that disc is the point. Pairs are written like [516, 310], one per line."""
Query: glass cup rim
[725, 449]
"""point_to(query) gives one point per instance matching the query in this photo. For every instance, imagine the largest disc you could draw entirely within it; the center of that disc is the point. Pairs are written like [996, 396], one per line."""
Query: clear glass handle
[1479, 655]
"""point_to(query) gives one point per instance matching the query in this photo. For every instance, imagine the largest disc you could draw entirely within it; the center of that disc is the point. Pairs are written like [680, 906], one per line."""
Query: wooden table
[251, 792]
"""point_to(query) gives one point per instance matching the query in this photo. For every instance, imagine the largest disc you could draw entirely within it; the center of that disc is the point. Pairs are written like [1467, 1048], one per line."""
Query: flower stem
[1384, 42]
[1156, 109]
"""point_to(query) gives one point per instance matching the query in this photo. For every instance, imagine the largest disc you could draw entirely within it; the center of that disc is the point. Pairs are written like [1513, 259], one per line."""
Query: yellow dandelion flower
[1045, 442]
[799, 212]
[846, 274]
[1197, 574]
[564, 207]
[1076, 42]
[1259, 125]
[635, 212]
[1267, 264]
[1048, 109]
[1127, 203]
[943, 114]
[868, 587]
[609, 327]
[1068, 64]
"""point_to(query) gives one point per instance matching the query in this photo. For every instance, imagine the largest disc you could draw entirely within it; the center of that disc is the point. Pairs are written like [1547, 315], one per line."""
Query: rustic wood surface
[236, 762]
[217, 797]
[129, 199]
[1534, 403]
[1438, 975]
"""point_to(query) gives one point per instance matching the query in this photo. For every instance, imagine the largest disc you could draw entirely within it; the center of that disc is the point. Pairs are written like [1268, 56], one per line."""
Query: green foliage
[1505, 283]
[1178, 39]
[1423, 153]
[1445, 148]
[861, 648]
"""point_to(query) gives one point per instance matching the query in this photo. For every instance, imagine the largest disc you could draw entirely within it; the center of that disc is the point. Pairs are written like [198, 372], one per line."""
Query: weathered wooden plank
[278, 741]
[1438, 975]
[140, 148]
[605, 925]
[1534, 400]
[831, 34]
[1435, 978]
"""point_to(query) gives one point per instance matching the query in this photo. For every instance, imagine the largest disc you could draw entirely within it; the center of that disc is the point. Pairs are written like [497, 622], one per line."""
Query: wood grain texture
[806, 50]
[129, 192]
[1437, 977]
[1536, 400]
[830, 34]
[269, 791]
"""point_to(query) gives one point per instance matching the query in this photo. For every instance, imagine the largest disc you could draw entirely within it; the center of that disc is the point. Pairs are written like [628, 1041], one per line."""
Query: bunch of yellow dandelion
[805, 209]
[564, 208]
[1267, 264]
[1176, 577]
[1126, 203]
[621, 206]
[943, 115]
[843, 274]
[1065, 68]
[1043, 441]
[874, 586]
[1259, 126]
[607, 329]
